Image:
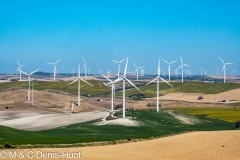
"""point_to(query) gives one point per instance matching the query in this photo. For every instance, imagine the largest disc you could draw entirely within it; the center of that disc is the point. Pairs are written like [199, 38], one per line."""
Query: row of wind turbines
[122, 78]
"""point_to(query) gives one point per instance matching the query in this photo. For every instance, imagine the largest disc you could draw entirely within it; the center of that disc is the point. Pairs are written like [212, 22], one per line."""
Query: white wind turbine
[100, 72]
[55, 68]
[118, 64]
[182, 64]
[113, 89]
[20, 70]
[158, 78]
[79, 79]
[108, 73]
[124, 78]
[73, 72]
[85, 68]
[29, 85]
[224, 69]
[137, 69]
[169, 68]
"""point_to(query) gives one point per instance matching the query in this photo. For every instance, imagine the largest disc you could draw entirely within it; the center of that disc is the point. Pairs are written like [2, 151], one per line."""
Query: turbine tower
[29, 85]
[20, 70]
[55, 68]
[224, 69]
[182, 64]
[158, 78]
[169, 67]
[79, 79]
[118, 65]
[137, 69]
[113, 89]
[124, 78]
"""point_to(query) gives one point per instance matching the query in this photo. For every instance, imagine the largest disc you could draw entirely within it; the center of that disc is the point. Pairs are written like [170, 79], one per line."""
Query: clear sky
[36, 31]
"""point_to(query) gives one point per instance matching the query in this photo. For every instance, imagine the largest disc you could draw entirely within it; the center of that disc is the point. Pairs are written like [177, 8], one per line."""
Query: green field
[149, 90]
[226, 114]
[152, 124]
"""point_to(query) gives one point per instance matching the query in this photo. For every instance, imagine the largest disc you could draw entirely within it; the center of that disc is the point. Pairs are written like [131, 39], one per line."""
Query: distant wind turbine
[158, 78]
[29, 85]
[20, 70]
[182, 64]
[136, 71]
[224, 69]
[113, 90]
[55, 68]
[85, 68]
[169, 68]
[79, 79]
[118, 65]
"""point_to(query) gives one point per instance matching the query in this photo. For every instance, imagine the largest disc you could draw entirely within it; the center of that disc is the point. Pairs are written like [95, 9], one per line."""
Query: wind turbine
[158, 78]
[137, 69]
[85, 68]
[73, 72]
[55, 68]
[224, 69]
[108, 72]
[118, 65]
[29, 85]
[113, 89]
[201, 70]
[19, 69]
[100, 72]
[79, 79]
[205, 72]
[169, 67]
[182, 64]
[124, 78]
[217, 70]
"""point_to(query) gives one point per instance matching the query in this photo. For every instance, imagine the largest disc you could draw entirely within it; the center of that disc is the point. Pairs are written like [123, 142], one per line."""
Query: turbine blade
[132, 84]
[152, 80]
[18, 63]
[181, 59]
[50, 62]
[165, 81]
[83, 60]
[85, 81]
[165, 61]
[34, 71]
[134, 65]
[229, 63]
[73, 82]
[79, 70]
[221, 60]
[122, 60]
[113, 61]
[25, 73]
[159, 67]
[107, 78]
[179, 67]
[186, 65]
[173, 61]
[125, 71]
[57, 61]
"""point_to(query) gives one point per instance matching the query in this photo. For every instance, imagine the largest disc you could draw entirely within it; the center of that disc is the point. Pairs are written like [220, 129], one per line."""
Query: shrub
[238, 124]
[7, 145]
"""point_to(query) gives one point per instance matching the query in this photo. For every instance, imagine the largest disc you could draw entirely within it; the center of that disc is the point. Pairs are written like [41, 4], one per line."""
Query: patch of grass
[226, 114]
[152, 124]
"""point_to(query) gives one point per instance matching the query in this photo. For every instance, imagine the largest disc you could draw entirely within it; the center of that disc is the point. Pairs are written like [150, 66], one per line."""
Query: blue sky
[36, 31]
